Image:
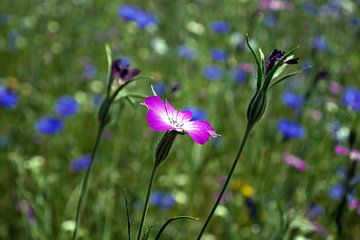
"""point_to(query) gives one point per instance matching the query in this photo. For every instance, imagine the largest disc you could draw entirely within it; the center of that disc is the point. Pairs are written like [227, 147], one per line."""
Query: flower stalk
[267, 73]
[116, 72]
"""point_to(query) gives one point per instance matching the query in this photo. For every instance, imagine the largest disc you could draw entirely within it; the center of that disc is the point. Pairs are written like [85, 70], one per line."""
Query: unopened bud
[164, 146]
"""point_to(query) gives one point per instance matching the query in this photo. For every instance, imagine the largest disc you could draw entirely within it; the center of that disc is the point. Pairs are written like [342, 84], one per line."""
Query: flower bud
[256, 108]
[163, 148]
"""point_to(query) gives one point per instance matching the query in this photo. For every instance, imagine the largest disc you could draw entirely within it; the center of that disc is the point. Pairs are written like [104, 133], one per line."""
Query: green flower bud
[256, 107]
[163, 148]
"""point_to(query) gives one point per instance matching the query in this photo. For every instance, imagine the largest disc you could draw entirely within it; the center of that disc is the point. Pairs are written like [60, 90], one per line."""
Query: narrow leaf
[128, 216]
[262, 60]
[109, 63]
[169, 221]
[259, 68]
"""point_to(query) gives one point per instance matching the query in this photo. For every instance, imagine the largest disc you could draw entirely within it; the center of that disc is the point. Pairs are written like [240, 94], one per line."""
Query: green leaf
[262, 60]
[258, 64]
[146, 234]
[284, 78]
[109, 63]
[153, 90]
[169, 221]
[128, 219]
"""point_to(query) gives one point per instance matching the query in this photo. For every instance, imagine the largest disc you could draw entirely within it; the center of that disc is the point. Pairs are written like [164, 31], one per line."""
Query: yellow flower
[247, 190]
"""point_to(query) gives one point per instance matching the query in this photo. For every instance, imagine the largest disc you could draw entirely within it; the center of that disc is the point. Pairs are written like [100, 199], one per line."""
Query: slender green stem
[85, 181]
[146, 206]
[246, 134]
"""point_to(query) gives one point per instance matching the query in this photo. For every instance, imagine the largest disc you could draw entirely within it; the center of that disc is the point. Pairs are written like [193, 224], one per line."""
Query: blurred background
[292, 175]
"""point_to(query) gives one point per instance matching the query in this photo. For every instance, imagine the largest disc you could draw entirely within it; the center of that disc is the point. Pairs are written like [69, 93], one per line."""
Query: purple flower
[212, 72]
[66, 106]
[8, 99]
[163, 117]
[275, 5]
[197, 113]
[290, 129]
[186, 52]
[49, 125]
[295, 162]
[275, 57]
[315, 210]
[218, 55]
[134, 14]
[220, 26]
[351, 98]
[120, 71]
[336, 192]
[162, 200]
[81, 163]
[292, 100]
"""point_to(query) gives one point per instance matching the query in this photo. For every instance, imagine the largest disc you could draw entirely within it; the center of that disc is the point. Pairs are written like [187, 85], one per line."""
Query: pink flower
[163, 117]
[275, 5]
[295, 162]
[353, 154]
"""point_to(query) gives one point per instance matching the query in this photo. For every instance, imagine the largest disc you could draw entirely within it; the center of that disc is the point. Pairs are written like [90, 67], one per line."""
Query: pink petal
[156, 122]
[354, 155]
[156, 104]
[172, 113]
[186, 116]
[340, 150]
[200, 131]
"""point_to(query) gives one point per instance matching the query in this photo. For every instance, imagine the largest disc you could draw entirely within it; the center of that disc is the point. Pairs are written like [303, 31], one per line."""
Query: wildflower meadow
[203, 119]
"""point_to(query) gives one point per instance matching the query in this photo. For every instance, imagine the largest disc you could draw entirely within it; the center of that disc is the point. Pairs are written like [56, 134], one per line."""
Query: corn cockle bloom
[163, 117]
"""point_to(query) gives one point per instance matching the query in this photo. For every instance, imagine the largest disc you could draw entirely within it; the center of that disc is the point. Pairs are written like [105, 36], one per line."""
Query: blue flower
[336, 192]
[239, 75]
[134, 14]
[320, 43]
[315, 210]
[292, 100]
[81, 163]
[351, 98]
[186, 52]
[270, 20]
[212, 72]
[66, 106]
[220, 26]
[290, 129]
[159, 88]
[49, 125]
[197, 113]
[89, 72]
[8, 99]
[162, 200]
[218, 55]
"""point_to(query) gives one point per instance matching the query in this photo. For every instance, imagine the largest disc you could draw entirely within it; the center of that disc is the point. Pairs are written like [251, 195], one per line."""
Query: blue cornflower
[162, 200]
[49, 125]
[89, 72]
[212, 72]
[315, 210]
[320, 43]
[159, 88]
[351, 98]
[292, 100]
[186, 52]
[134, 14]
[66, 106]
[270, 20]
[336, 192]
[219, 26]
[290, 129]
[239, 75]
[218, 55]
[80, 163]
[8, 98]
[197, 113]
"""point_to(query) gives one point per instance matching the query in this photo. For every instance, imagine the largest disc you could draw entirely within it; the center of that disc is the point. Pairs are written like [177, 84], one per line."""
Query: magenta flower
[163, 117]
[295, 162]
[353, 154]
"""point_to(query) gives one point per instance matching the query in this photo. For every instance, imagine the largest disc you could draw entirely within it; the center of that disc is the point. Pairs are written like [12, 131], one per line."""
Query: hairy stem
[85, 181]
[146, 206]
[242, 145]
